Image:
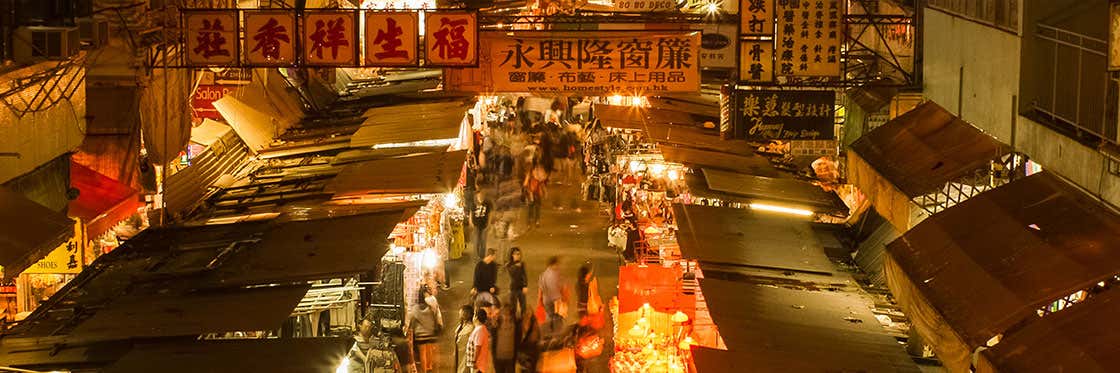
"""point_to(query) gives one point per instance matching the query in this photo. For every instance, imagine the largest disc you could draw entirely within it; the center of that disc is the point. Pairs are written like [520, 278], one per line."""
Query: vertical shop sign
[808, 36]
[1114, 36]
[211, 37]
[392, 38]
[756, 61]
[269, 38]
[787, 115]
[619, 62]
[330, 38]
[450, 39]
[756, 17]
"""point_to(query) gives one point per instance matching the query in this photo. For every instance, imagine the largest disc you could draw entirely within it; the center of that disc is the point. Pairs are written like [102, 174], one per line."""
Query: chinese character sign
[756, 17]
[270, 38]
[787, 115]
[330, 38]
[450, 39]
[392, 38]
[594, 62]
[717, 45]
[211, 38]
[808, 37]
[756, 61]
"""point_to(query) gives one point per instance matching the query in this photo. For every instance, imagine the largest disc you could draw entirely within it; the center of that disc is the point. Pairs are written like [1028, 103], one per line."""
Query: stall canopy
[917, 154]
[740, 237]
[764, 326]
[401, 124]
[642, 119]
[29, 232]
[187, 187]
[102, 202]
[698, 158]
[793, 192]
[425, 173]
[1071, 340]
[987, 266]
[174, 281]
[298, 355]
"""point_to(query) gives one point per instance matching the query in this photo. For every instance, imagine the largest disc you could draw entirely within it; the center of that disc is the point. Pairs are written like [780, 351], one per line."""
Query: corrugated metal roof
[699, 158]
[29, 232]
[923, 149]
[187, 187]
[775, 329]
[764, 189]
[991, 262]
[426, 173]
[721, 235]
[300, 355]
[410, 123]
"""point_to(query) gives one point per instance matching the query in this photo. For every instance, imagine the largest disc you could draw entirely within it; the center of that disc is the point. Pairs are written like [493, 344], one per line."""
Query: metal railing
[1069, 50]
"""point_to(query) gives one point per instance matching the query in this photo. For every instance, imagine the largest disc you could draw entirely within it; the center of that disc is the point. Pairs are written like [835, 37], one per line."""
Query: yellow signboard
[808, 39]
[330, 38]
[451, 39]
[757, 17]
[64, 259]
[583, 62]
[211, 37]
[392, 38]
[756, 61]
[269, 38]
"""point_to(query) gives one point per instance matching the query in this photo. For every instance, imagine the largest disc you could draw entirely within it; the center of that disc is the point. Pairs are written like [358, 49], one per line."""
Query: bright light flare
[712, 8]
[429, 259]
[344, 366]
[451, 199]
[781, 209]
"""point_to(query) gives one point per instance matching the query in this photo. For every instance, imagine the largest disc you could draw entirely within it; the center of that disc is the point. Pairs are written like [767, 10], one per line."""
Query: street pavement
[571, 228]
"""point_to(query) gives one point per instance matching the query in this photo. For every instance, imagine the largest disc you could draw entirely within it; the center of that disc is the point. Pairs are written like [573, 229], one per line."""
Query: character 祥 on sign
[328, 34]
[211, 38]
[329, 38]
[451, 39]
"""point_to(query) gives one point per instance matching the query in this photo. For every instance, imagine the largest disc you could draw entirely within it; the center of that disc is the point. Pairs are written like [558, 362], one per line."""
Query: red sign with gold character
[330, 38]
[451, 39]
[211, 38]
[392, 38]
[270, 38]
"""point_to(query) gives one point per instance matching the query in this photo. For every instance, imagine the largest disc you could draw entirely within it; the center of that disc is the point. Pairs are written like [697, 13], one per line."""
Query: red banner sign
[202, 103]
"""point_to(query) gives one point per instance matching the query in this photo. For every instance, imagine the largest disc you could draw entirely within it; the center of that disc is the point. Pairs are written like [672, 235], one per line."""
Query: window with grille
[1002, 14]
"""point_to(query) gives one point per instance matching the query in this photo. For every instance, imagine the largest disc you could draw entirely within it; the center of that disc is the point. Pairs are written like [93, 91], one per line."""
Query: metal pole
[960, 93]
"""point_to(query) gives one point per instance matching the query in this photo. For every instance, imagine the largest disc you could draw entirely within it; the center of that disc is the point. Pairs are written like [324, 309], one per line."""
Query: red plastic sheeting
[659, 286]
[102, 202]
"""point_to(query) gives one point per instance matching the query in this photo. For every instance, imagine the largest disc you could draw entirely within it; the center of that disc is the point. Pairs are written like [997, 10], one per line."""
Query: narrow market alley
[575, 234]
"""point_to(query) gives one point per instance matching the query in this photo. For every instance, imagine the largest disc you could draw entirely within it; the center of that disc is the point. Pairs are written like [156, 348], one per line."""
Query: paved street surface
[575, 234]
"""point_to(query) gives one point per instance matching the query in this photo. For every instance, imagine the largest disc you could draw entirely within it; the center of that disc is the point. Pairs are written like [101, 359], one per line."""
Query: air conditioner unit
[36, 43]
[93, 31]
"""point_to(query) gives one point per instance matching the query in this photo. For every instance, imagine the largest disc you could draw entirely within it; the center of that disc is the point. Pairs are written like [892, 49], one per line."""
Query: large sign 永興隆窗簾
[787, 115]
[584, 62]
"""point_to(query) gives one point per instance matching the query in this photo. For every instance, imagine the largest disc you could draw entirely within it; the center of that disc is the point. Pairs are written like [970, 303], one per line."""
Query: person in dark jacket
[480, 218]
[486, 275]
[518, 283]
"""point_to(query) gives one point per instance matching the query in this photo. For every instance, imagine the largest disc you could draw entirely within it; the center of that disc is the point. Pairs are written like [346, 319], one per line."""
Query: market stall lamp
[429, 259]
[680, 317]
[451, 199]
[344, 366]
[780, 209]
[686, 343]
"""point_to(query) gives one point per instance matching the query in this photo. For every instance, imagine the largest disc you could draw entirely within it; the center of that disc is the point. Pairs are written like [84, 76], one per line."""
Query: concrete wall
[991, 61]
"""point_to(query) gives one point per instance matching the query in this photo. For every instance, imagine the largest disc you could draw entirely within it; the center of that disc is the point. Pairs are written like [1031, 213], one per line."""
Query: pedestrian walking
[425, 325]
[480, 218]
[478, 346]
[553, 296]
[587, 288]
[534, 187]
[485, 286]
[518, 281]
[508, 336]
[462, 337]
